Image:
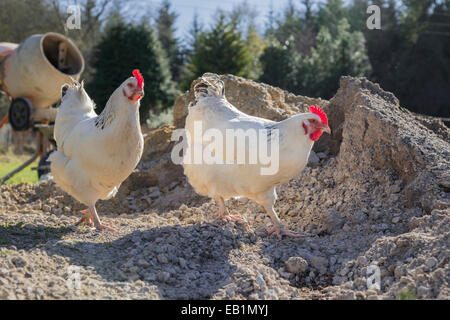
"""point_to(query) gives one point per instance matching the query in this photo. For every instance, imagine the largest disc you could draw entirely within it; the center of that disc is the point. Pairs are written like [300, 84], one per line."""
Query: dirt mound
[256, 99]
[376, 204]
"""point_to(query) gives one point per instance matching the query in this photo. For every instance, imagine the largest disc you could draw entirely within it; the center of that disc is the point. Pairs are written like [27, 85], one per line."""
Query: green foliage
[298, 27]
[410, 56]
[194, 34]
[164, 26]
[280, 65]
[243, 16]
[357, 16]
[156, 120]
[256, 46]
[288, 25]
[220, 50]
[21, 18]
[425, 84]
[332, 57]
[165, 30]
[318, 74]
[406, 293]
[331, 15]
[123, 48]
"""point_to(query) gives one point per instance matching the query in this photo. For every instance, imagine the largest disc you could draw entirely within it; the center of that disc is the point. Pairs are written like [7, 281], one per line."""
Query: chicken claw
[223, 214]
[281, 231]
[229, 217]
[87, 218]
[98, 225]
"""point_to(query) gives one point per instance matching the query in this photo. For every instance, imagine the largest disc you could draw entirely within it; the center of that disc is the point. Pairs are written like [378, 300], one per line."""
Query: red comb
[139, 77]
[315, 109]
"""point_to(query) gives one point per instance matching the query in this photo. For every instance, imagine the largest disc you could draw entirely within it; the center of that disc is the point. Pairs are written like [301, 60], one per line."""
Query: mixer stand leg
[39, 150]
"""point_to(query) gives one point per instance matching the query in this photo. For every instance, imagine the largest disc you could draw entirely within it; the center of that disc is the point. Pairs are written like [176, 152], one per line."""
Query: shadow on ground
[183, 262]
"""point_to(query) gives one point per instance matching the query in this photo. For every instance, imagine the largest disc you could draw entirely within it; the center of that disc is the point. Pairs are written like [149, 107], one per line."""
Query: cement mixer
[31, 76]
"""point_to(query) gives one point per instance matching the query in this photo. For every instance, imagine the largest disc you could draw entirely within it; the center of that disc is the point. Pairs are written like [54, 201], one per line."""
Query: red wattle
[315, 135]
[304, 128]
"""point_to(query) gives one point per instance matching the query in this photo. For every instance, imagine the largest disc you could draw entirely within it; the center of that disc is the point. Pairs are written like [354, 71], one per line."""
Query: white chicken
[221, 180]
[95, 154]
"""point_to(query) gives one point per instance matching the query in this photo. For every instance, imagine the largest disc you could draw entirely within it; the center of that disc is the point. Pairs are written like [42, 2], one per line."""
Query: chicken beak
[326, 129]
[138, 94]
[322, 127]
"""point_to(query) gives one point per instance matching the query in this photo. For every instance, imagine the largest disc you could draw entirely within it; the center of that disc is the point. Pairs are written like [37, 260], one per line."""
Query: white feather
[233, 180]
[95, 153]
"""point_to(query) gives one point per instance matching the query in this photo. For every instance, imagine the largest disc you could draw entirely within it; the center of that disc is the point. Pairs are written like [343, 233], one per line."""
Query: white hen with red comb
[296, 137]
[97, 153]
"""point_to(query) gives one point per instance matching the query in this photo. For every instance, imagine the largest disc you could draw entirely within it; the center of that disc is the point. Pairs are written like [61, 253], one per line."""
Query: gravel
[369, 214]
[296, 265]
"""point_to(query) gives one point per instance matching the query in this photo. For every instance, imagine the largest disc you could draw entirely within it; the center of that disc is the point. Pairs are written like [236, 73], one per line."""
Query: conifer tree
[166, 35]
[220, 50]
[123, 48]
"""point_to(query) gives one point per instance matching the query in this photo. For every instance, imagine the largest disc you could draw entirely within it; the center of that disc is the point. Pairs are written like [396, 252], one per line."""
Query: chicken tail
[209, 85]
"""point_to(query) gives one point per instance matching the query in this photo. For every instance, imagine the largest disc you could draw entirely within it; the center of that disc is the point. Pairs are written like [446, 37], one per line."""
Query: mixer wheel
[20, 112]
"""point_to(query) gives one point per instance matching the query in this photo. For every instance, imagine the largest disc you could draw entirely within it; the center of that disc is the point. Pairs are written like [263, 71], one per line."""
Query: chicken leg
[278, 228]
[267, 200]
[87, 218]
[225, 215]
[98, 225]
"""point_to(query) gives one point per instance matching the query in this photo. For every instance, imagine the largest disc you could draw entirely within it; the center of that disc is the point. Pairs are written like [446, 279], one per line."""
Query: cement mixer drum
[31, 75]
[36, 69]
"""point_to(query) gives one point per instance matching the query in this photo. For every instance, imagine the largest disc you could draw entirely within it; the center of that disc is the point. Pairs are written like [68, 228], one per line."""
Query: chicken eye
[129, 85]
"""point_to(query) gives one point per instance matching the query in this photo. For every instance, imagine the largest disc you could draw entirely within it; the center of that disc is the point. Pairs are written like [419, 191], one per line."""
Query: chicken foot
[225, 215]
[90, 218]
[98, 225]
[87, 218]
[278, 229]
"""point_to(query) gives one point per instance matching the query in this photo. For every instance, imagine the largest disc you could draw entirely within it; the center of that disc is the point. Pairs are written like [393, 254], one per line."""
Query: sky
[206, 9]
